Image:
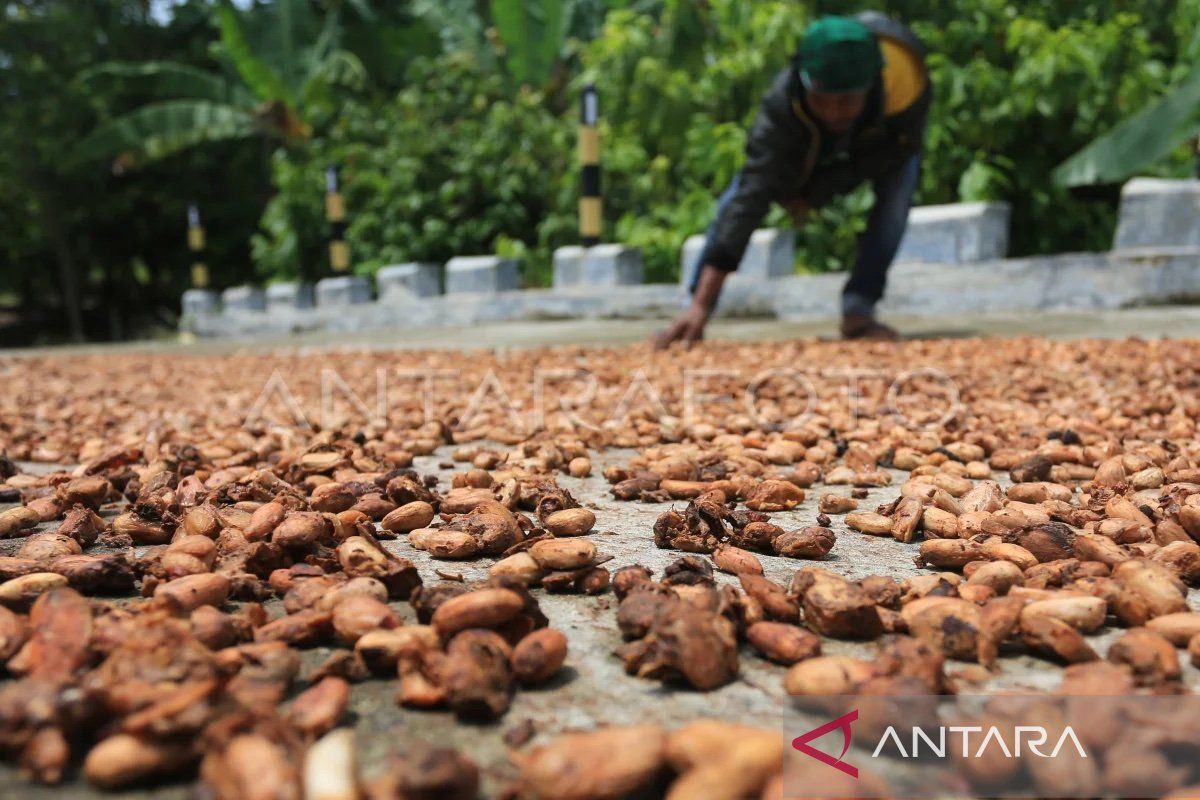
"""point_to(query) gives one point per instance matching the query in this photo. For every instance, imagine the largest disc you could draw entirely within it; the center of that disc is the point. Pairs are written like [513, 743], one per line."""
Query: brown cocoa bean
[606, 764]
[483, 608]
[783, 643]
[570, 522]
[186, 594]
[563, 554]
[812, 543]
[736, 561]
[539, 656]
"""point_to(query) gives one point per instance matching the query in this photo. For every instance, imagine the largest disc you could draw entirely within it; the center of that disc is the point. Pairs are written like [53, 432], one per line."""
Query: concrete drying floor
[593, 688]
[1149, 322]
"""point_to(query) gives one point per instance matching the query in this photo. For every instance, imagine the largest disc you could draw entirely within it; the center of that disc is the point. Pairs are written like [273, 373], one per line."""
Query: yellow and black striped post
[591, 208]
[195, 238]
[335, 212]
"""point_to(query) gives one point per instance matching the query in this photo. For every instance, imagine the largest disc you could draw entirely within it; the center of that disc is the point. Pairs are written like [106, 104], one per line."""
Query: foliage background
[461, 138]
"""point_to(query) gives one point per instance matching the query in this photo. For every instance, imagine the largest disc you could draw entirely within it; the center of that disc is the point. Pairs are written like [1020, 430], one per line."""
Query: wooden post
[195, 238]
[591, 207]
[335, 212]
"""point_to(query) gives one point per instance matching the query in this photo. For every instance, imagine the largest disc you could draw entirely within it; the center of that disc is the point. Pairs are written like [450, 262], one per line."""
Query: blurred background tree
[454, 122]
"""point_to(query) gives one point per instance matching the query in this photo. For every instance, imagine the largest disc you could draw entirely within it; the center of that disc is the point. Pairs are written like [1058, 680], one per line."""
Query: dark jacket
[788, 159]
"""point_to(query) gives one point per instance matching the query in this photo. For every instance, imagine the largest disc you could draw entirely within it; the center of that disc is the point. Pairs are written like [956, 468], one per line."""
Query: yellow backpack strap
[814, 139]
[904, 76]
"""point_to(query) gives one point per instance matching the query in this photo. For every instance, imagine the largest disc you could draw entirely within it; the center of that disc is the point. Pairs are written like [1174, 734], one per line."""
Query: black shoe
[864, 326]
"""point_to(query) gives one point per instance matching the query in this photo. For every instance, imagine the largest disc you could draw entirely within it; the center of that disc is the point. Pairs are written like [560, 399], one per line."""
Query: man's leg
[693, 269]
[878, 244]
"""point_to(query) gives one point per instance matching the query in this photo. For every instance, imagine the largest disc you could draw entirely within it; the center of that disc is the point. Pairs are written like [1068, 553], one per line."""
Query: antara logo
[1031, 736]
[1022, 738]
[843, 723]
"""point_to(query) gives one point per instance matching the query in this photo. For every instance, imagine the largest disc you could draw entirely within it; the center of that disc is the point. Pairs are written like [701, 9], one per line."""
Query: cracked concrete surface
[593, 688]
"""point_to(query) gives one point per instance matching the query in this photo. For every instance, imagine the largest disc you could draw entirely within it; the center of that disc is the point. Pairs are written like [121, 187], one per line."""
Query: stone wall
[951, 262]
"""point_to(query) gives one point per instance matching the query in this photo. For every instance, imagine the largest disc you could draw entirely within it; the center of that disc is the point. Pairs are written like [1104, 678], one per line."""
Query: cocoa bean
[783, 643]
[1150, 656]
[825, 676]
[124, 760]
[570, 522]
[316, 710]
[836, 504]
[476, 674]
[563, 554]
[812, 543]
[184, 595]
[735, 560]
[358, 615]
[869, 522]
[408, 517]
[840, 610]
[484, 608]
[1053, 637]
[539, 656]
[607, 764]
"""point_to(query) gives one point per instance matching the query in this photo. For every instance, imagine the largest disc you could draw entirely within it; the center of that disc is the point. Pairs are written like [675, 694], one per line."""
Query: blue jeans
[876, 246]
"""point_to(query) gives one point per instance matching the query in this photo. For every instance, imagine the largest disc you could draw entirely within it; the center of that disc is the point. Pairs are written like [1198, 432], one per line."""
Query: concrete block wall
[244, 298]
[201, 301]
[951, 261]
[599, 265]
[770, 254]
[402, 282]
[291, 296]
[482, 275]
[956, 233]
[343, 290]
[1158, 213]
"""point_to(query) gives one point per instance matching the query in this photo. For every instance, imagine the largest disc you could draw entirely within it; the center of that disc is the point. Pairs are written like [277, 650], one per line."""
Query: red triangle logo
[801, 743]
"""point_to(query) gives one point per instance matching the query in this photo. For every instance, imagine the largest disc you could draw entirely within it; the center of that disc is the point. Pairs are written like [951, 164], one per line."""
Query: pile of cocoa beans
[189, 679]
[188, 529]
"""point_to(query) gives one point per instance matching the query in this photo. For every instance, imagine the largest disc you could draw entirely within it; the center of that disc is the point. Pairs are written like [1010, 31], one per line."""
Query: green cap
[839, 54]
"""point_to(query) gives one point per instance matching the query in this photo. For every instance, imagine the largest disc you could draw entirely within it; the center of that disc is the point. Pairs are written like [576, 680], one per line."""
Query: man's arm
[775, 162]
[688, 326]
[770, 164]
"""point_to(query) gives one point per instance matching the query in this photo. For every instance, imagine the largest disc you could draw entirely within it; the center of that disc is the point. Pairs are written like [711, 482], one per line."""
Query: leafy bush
[462, 162]
[677, 92]
[447, 167]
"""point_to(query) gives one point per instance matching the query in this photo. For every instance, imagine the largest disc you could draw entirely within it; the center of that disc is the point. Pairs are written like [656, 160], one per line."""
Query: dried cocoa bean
[570, 522]
[563, 554]
[476, 674]
[841, 610]
[483, 608]
[735, 560]
[783, 643]
[812, 543]
[607, 764]
[1150, 656]
[539, 656]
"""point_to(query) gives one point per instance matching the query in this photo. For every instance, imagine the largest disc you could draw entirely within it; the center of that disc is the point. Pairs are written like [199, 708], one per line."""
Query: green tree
[1017, 89]
[281, 67]
[452, 165]
[88, 253]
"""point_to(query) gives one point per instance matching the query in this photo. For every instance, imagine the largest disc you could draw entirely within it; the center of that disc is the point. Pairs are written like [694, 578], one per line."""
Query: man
[850, 108]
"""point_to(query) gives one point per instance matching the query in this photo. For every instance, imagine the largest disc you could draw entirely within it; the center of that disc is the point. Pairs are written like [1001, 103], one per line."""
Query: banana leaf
[532, 31]
[161, 129]
[167, 79]
[1138, 141]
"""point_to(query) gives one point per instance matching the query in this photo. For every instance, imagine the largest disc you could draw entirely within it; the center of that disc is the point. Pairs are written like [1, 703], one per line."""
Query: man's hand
[688, 328]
